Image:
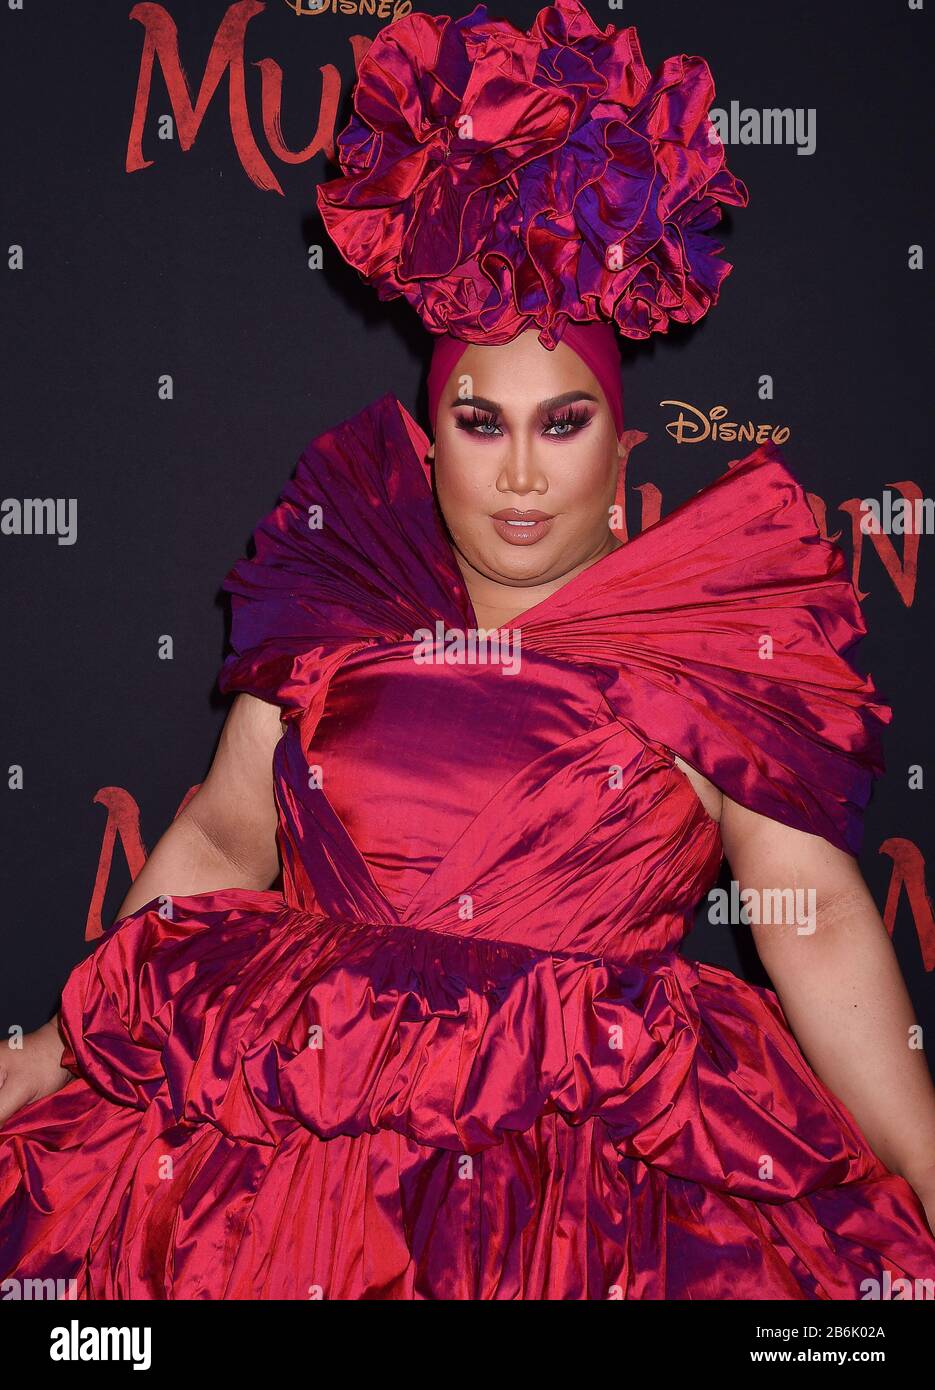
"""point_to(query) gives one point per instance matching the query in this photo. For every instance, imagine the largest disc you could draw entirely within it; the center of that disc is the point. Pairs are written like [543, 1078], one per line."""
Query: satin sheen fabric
[460, 1055]
[502, 180]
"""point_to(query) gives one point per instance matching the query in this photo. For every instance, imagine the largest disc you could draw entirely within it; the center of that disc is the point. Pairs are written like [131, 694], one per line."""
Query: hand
[32, 1071]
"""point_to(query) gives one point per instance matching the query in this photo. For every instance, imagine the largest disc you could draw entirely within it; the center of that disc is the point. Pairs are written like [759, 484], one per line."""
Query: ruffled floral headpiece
[502, 181]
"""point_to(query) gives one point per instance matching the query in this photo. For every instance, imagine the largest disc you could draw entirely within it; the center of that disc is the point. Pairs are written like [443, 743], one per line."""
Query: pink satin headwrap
[594, 342]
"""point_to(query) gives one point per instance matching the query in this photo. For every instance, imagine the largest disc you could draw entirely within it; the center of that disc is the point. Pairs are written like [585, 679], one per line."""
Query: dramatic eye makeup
[563, 416]
[569, 420]
[478, 422]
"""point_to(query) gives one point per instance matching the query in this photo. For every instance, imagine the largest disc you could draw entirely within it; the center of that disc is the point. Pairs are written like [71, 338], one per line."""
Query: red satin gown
[460, 1056]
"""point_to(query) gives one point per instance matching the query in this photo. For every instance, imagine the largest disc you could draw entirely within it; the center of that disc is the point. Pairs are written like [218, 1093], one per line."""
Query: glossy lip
[521, 528]
[515, 514]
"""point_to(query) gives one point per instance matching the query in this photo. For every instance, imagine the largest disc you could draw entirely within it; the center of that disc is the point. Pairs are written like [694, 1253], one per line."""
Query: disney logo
[692, 426]
[382, 9]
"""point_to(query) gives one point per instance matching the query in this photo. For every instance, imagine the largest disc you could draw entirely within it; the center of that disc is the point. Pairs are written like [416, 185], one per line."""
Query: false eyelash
[479, 417]
[570, 415]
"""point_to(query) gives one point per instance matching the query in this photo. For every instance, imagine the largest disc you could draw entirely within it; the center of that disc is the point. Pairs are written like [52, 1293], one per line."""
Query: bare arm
[841, 989]
[224, 838]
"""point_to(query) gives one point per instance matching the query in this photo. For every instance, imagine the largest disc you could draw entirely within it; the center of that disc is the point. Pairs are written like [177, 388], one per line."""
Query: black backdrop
[187, 268]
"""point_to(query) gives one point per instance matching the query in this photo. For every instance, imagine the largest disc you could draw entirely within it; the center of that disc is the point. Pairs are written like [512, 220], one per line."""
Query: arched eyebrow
[552, 403]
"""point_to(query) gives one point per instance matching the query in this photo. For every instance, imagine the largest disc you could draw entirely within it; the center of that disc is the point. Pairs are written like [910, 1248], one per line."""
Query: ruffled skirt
[274, 1104]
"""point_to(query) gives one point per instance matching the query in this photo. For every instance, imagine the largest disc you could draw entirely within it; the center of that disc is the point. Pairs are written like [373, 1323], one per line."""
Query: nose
[521, 471]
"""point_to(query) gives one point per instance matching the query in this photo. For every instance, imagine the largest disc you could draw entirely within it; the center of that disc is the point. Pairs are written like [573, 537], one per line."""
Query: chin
[526, 565]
